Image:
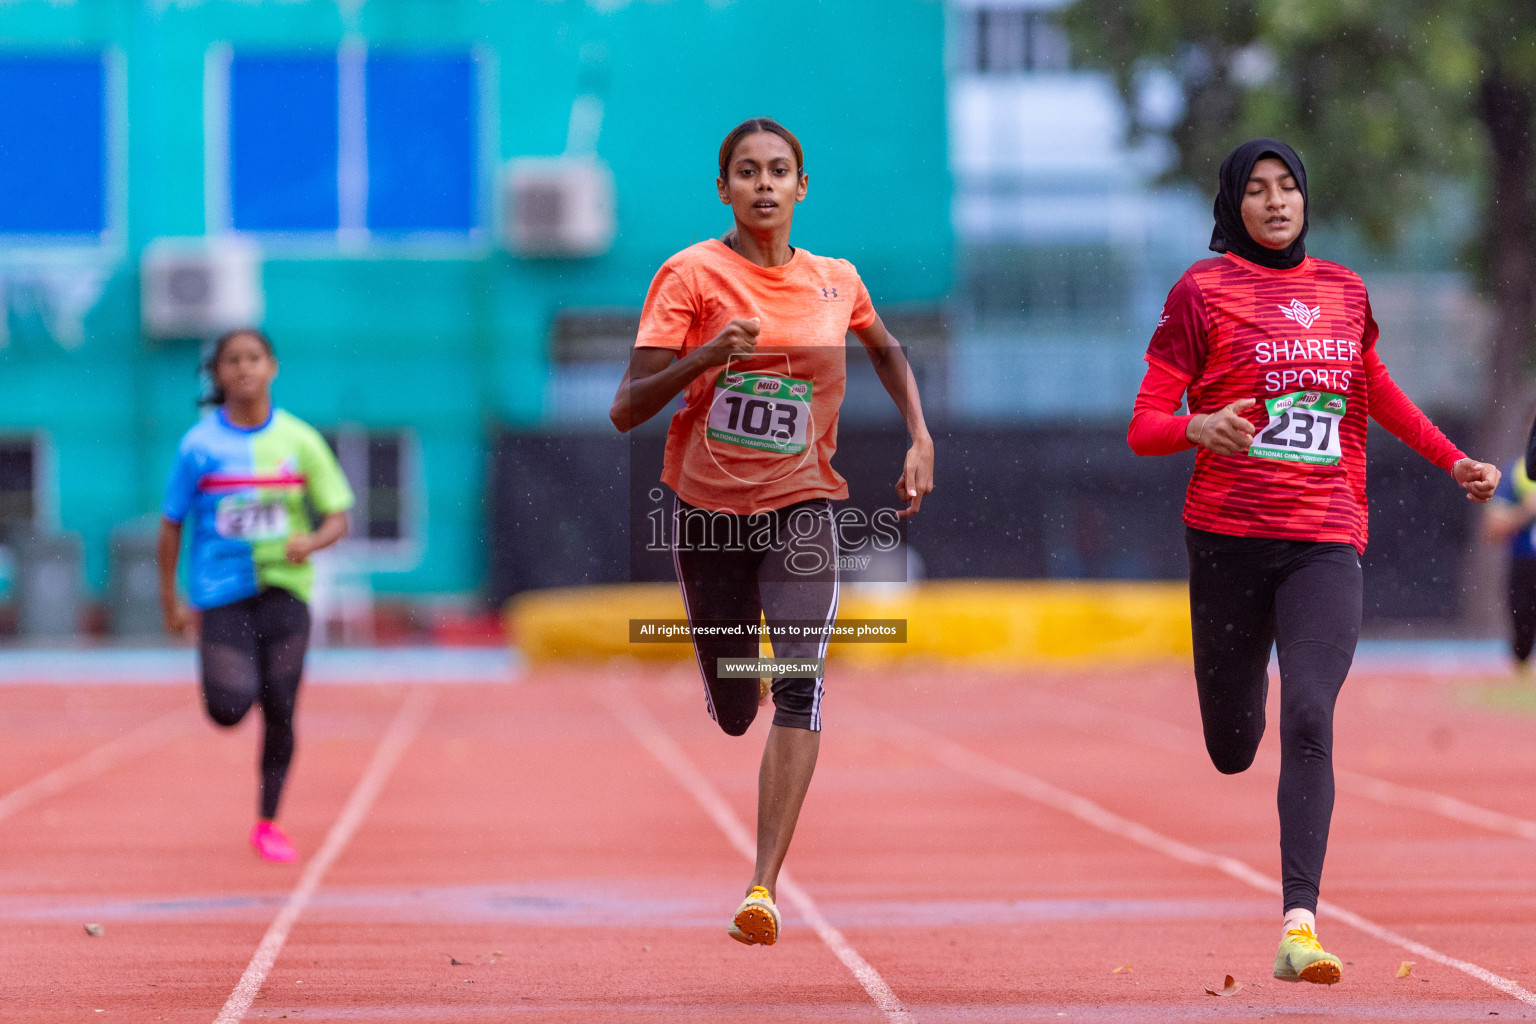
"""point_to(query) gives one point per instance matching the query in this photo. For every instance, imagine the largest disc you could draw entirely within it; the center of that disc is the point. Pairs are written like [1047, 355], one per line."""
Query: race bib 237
[1303, 426]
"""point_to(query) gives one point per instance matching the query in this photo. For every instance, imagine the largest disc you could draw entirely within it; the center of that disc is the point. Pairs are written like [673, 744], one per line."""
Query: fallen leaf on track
[95, 929]
[1231, 988]
[1405, 968]
[1123, 970]
[457, 963]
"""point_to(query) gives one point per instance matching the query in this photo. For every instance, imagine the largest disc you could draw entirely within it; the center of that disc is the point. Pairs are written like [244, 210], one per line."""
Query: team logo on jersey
[1162, 320]
[765, 386]
[1300, 312]
[829, 293]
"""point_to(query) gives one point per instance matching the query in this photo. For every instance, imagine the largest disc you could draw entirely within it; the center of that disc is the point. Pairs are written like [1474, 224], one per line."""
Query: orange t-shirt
[760, 432]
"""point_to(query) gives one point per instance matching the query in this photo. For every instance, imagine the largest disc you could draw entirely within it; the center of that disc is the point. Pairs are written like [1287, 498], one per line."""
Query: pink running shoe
[272, 844]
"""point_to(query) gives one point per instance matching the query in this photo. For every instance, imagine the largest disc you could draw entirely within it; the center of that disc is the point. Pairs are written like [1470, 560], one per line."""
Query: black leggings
[254, 650]
[1522, 607]
[1246, 595]
[738, 570]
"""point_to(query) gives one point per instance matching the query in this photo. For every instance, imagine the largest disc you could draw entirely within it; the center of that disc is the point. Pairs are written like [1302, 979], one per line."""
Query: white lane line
[105, 757]
[1436, 803]
[978, 766]
[650, 734]
[1177, 738]
[402, 730]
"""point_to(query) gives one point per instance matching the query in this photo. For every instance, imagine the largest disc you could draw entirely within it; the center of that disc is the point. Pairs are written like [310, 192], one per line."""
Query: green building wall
[452, 343]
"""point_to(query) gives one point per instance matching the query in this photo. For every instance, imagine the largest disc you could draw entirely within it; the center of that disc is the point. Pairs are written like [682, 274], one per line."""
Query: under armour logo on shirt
[1301, 313]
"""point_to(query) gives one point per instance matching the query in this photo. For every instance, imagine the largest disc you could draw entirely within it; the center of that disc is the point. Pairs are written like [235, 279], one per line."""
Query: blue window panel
[283, 143]
[422, 151]
[53, 153]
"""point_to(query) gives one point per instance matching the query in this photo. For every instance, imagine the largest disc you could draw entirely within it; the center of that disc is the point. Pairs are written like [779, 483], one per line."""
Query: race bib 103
[761, 410]
[238, 517]
[1303, 427]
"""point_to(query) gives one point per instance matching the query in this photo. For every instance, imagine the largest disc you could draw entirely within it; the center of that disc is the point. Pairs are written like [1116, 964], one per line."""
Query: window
[421, 143]
[1006, 286]
[53, 145]
[381, 143]
[378, 465]
[18, 484]
[283, 145]
[1009, 40]
[589, 349]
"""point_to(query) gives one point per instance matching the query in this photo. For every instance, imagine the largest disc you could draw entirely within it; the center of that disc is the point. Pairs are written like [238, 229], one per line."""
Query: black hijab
[1229, 234]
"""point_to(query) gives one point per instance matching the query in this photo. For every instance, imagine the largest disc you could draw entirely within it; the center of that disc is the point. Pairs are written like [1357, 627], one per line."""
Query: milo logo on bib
[762, 411]
[1303, 427]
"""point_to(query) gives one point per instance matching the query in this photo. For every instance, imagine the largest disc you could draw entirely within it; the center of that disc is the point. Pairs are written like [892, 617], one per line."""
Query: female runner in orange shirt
[751, 331]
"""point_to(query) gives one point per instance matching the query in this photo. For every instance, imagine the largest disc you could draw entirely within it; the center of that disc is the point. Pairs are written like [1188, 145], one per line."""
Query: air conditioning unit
[558, 206]
[200, 287]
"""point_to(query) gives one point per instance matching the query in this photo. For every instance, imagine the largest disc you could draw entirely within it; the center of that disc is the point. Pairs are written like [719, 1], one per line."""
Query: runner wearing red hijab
[1276, 352]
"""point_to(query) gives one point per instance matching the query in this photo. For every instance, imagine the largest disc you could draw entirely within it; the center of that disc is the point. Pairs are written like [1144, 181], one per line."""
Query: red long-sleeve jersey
[1302, 343]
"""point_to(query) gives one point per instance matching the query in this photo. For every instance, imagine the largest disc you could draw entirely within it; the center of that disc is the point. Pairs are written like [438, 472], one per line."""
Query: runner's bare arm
[331, 529]
[167, 552]
[895, 373]
[655, 376]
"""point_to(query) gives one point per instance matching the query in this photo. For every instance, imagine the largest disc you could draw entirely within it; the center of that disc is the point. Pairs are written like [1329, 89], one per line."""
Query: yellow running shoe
[1302, 958]
[757, 920]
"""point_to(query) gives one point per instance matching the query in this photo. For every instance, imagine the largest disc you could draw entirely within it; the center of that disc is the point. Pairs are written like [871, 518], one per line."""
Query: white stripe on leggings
[837, 573]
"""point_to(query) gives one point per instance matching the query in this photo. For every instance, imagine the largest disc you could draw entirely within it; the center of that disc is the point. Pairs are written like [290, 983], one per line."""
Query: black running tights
[1303, 598]
[1522, 607]
[253, 650]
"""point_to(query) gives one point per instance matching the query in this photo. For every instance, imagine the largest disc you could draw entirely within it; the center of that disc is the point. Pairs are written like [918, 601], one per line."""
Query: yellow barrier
[976, 622]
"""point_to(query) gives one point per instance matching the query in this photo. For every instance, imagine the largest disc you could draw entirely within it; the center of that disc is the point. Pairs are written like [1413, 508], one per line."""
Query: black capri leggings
[254, 650]
[1247, 594]
[736, 571]
[1522, 607]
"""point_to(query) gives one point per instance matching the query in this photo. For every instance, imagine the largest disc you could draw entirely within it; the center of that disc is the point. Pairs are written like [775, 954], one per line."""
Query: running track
[974, 848]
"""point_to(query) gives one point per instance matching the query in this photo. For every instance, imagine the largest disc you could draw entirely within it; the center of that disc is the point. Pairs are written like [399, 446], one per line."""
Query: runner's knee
[1232, 733]
[226, 712]
[736, 722]
[1314, 674]
[1231, 758]
[230, 683]
[1307, 727]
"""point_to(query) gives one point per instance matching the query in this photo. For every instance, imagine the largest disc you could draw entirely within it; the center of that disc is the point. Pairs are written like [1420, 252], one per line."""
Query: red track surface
[528, 833]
